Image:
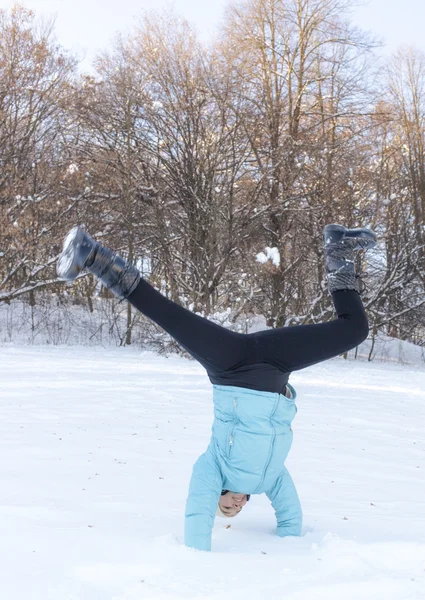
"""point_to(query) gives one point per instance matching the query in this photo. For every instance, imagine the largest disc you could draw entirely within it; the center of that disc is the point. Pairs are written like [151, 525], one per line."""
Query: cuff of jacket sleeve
[289, 530]
[197, 532]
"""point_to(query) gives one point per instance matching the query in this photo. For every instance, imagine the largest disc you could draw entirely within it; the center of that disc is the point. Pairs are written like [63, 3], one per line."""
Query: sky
[84, 28]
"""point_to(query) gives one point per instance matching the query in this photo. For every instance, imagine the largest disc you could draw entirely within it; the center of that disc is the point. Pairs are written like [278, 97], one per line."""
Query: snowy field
[97, 448]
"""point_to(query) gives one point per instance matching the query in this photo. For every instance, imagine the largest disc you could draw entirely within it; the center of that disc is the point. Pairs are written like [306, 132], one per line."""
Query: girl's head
[231, 503]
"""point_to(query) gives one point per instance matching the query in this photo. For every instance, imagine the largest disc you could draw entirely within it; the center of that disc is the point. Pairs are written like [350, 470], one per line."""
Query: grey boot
[339, 249]
[81, 253]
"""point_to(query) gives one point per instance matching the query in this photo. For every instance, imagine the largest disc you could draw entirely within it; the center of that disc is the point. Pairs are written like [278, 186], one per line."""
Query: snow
[271, 254]
[97, 450]
[73, 168]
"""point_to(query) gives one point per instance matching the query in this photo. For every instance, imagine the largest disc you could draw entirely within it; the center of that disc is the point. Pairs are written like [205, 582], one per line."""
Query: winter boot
[80, 252]
[340, 247]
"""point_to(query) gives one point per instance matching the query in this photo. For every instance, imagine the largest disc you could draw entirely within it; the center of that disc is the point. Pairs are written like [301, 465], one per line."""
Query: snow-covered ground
[97, 447]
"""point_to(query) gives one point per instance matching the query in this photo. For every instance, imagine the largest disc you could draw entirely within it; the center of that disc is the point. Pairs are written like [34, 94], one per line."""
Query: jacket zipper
[269, 458]
[233, 426]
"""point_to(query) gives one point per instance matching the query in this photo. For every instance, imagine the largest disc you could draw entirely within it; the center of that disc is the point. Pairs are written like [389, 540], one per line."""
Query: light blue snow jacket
[251, 437]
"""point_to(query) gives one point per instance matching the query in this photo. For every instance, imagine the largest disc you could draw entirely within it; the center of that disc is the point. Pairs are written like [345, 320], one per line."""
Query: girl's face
[232, 503]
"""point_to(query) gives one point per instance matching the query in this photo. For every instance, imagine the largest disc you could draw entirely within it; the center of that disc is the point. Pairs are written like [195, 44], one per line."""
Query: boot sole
[69, 266]
[367, 236]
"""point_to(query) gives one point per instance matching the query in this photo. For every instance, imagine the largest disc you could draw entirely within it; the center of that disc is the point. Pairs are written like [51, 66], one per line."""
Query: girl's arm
[201, 505]
[285, 501]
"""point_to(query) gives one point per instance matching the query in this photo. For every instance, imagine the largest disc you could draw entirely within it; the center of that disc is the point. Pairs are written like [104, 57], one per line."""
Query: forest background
[214, 167]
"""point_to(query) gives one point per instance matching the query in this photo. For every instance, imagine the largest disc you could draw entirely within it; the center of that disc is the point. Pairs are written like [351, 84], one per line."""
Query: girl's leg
[294, 348]
[215, 347]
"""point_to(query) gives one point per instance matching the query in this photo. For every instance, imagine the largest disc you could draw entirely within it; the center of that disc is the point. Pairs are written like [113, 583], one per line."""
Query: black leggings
[287, 349]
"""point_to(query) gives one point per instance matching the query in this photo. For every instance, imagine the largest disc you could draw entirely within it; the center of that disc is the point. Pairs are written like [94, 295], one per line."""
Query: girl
[253, 402]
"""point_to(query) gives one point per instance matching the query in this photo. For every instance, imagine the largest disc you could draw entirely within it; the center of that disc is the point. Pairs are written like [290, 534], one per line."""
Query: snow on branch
[269, 254]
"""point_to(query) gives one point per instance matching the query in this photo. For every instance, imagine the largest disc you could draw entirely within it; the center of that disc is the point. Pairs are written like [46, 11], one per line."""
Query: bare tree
[35, 78]
[302, 70]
